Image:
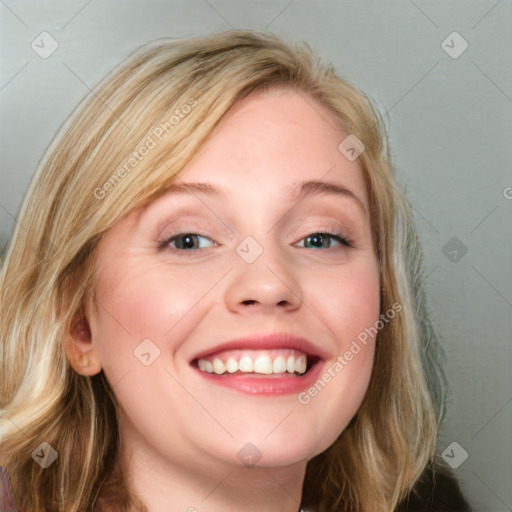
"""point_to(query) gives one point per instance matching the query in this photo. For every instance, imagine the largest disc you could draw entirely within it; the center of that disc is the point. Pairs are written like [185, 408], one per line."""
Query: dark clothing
[440, 493]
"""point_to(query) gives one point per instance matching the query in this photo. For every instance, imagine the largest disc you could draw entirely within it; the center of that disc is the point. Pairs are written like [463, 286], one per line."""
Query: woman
[212, 300]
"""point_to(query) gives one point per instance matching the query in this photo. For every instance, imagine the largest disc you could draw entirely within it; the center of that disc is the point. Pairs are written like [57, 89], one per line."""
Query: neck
[214, 488]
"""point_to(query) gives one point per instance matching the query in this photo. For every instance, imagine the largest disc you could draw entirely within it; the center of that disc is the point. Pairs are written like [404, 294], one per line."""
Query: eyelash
[164, 244]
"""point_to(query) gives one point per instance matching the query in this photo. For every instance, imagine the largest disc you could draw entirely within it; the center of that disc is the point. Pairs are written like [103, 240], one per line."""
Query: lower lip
[257, 384]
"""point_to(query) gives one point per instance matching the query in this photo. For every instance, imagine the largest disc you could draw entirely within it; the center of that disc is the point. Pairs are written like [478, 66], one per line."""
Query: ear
[80, 349]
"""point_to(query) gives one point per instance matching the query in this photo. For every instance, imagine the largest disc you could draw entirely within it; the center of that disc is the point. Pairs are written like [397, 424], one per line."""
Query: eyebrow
[303, 190]
[311, 188]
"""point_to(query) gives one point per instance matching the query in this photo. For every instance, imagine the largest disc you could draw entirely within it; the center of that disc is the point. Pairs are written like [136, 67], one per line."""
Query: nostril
[248, 302]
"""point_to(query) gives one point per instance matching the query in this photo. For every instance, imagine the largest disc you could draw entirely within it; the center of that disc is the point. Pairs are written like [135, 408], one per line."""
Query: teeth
[262, 364]
[232, 365]
[205, 366]
[300, 364]
[279, 365]
[218, 367]
[246, 364]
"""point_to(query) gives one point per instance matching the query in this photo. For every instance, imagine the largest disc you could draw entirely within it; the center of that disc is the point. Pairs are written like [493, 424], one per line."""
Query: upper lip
[269, 341]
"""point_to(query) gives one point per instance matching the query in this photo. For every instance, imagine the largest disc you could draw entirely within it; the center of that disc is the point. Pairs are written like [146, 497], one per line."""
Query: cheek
[138, 301]
[350, 303]
[350, 299]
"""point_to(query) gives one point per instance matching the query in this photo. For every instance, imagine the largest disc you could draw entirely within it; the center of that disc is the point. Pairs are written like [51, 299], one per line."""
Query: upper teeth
[263, 364]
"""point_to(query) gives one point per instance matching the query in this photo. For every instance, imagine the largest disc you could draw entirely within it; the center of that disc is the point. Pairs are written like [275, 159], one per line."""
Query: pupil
[316, 239]
[187, 242]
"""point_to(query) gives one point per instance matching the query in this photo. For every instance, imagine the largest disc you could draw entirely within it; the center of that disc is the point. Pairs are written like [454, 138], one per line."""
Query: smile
[263, 362]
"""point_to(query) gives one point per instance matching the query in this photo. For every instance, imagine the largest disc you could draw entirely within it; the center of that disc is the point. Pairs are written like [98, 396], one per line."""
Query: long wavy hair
[89, 178]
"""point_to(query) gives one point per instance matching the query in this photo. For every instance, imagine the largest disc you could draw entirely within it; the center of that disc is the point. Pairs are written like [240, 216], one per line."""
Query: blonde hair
[181, 90]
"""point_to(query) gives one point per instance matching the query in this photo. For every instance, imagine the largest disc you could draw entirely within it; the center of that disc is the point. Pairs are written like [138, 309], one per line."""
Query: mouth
[272, 364]
[280, 362]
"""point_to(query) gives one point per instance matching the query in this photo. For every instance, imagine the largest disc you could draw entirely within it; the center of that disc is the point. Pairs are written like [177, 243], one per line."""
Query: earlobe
[80, 349]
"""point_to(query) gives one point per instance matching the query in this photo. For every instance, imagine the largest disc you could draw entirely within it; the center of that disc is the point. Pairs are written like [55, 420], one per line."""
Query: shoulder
[437, 490]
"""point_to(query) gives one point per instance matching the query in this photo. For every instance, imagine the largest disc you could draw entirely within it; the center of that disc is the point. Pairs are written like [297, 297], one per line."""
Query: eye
[186, 242]
[194, 241]
[324, 240]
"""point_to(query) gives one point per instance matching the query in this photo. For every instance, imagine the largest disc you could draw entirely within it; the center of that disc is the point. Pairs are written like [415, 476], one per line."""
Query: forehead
[275, 140]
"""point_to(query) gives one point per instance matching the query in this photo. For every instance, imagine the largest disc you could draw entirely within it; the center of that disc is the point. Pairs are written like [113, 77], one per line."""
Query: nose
[267, 285]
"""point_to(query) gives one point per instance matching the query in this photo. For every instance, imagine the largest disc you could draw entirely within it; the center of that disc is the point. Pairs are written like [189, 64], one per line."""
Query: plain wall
[450, 127]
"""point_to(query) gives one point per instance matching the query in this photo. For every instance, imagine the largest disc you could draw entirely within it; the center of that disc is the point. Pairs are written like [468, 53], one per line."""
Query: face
[228, 312]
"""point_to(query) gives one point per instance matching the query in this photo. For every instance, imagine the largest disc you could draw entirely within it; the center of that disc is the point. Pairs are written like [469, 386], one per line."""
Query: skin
[180, 434]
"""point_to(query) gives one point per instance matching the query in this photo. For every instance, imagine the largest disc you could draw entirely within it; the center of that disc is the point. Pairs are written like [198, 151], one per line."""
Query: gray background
[449, 122]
